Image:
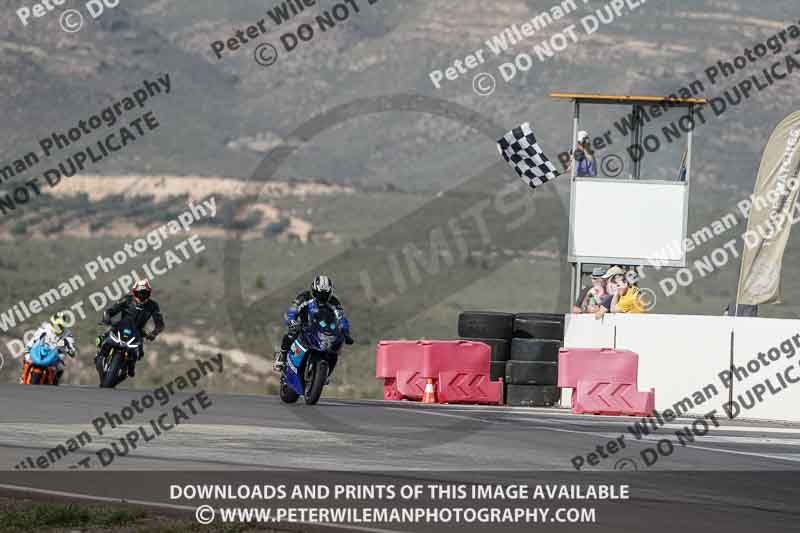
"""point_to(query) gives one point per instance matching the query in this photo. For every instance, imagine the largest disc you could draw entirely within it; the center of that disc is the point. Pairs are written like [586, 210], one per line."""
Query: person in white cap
[584, 156]
[625, 294]
[611, 278]
[591, 298]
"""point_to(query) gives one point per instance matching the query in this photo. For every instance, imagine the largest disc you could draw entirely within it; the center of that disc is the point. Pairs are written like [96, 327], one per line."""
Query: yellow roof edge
[631, 99]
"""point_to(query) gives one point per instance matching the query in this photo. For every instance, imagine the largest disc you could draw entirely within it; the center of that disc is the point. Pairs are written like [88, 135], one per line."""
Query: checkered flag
[520, 149]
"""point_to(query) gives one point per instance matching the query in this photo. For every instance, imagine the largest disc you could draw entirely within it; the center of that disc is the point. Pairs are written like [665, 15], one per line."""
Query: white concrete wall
[683, 354]
[754, 335]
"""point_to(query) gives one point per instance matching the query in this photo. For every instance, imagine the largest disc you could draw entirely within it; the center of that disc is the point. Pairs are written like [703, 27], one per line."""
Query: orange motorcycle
[41, 369]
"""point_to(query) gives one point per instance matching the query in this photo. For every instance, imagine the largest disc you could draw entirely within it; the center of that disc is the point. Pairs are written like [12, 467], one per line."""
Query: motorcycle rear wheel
[35, 377]
[111, 377]
[316, 381]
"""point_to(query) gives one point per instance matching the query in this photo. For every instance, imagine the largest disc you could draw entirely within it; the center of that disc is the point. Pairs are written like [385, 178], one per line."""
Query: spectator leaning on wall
[605, 302]
[592, 297]
[623, 294]
[627, 296]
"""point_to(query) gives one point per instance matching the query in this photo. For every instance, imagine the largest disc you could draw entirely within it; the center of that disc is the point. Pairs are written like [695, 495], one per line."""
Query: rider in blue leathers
[304, 307]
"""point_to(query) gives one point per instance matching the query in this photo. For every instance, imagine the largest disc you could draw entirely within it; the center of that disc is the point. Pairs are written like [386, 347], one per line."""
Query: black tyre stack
[524, 352]
[531, 373]
[494, 329]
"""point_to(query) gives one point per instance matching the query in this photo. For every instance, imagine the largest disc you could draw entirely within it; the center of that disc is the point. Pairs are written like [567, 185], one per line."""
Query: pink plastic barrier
[390, 391]
[604, 398]
[441, 356]
[605, 381]
[575, 364]
[410, 384]
[392, 356]
[459, 368]
[456, 386]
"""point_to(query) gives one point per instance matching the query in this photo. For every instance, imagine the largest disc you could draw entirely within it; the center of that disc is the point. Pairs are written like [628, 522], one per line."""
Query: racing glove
[348, 339]
[67, 348]
[149, 336]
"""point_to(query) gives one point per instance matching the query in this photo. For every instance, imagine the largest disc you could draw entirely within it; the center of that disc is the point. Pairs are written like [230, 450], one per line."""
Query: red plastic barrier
[456, 386]
[392, 356]
[599, 364]
[410, 384]
[460, 369]
[390, 391]
[612, 398]
[439, 356]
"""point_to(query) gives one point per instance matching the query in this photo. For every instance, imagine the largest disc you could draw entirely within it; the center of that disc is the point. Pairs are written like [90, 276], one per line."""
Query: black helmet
[322, 289]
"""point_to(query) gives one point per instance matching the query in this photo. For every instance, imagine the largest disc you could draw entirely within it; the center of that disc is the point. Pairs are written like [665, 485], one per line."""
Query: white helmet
[322, 288]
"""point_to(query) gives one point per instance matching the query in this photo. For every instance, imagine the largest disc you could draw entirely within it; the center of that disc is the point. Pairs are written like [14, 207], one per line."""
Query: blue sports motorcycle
[42, 368]
[312, 357]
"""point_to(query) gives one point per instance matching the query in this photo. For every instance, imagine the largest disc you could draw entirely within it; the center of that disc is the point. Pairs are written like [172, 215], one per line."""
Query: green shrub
[20, 228]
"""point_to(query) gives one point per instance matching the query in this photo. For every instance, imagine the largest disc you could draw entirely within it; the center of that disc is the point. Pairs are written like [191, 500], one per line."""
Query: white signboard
[633, 222]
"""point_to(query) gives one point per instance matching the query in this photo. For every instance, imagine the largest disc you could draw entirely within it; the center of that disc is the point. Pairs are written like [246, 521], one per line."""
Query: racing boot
[26, 368]
[98, 364]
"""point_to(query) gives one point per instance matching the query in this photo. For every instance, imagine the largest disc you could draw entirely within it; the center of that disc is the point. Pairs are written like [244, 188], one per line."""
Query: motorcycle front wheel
[288, 395]
[111, 376]
[316, 374]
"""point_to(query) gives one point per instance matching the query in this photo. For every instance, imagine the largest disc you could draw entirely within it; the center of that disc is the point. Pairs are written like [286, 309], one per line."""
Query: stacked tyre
[494, 329]
[531, 372]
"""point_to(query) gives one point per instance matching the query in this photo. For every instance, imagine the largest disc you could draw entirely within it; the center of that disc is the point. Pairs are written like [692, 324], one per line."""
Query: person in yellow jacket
[627, 296]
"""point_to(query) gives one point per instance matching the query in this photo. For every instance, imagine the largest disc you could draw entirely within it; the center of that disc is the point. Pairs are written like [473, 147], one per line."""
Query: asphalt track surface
[740, 476]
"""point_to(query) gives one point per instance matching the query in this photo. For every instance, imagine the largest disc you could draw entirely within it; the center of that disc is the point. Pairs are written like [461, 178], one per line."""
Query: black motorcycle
[113, 368]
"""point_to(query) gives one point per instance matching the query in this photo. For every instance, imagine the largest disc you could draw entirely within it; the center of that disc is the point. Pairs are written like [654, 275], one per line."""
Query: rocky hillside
[221, 113]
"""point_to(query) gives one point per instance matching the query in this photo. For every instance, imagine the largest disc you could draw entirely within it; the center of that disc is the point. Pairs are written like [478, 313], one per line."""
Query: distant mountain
[53, 79]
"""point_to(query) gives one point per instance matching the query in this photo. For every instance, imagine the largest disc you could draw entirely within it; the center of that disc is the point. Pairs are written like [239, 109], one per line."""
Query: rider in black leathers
[134, 309]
